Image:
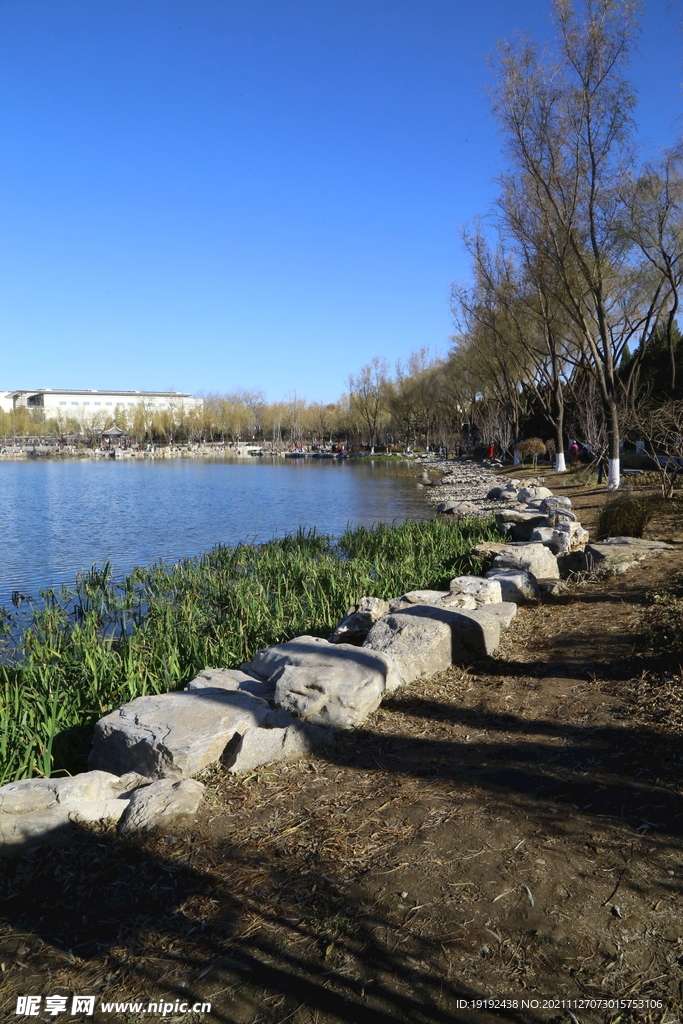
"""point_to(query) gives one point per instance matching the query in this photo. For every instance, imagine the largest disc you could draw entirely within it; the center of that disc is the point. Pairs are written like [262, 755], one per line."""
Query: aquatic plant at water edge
[87, 650]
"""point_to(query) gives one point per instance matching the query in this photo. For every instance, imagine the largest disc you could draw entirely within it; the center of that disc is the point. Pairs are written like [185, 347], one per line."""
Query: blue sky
[213, 194]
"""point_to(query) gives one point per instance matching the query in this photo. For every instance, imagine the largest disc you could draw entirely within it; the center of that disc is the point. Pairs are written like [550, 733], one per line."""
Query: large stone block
[325, 683]
[175, 734]
[618, 554]
[503, 611]
[532, 493]
[331, 695]
[36, 812]
[483, 591]
[426, 639]
[533, 558]
[314, 653]
[517, 585]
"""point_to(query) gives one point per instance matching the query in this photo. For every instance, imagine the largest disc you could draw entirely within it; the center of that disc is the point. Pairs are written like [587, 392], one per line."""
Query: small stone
[517, 585]
[161, 804]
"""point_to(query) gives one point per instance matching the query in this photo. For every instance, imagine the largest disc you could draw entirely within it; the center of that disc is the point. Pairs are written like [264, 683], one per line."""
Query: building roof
[101, 391]
[114, 432]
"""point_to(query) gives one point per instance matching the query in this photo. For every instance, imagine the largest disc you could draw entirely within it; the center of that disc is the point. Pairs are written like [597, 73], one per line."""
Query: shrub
[531, 449]
[627, 516]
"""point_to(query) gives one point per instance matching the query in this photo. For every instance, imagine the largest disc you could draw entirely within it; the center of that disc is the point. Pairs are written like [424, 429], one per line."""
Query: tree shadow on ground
[129, 918]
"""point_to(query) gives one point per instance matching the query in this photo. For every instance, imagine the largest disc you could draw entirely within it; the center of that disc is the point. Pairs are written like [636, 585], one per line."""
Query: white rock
[531, 493]
[330, 695]
[313, 652]
[542, 535]
[482, 590]
[35, 812]
[534, 558]
[618, 554]
[175, 734]
[359, 619]
[30, 795]
[555, 501]
[281, 737]
[466, 601]
[517, 585]
[425, 639]
[160, 805]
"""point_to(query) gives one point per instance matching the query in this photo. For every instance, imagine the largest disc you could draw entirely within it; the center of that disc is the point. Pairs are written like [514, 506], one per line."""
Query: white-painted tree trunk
[517, 459]
[613, 474]
[560, 466]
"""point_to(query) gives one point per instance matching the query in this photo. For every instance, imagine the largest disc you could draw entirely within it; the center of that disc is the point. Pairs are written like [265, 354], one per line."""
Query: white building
[83, 405]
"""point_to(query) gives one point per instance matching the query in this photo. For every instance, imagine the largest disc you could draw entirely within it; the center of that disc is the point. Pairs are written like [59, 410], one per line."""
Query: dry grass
[511, 829]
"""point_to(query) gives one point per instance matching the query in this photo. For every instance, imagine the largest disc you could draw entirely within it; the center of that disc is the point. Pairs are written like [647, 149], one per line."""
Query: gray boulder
[468, 602]
[530, 492]
[327, 684]
[517, 585]
[534, 558]
[340, 695]
[551, 588]
[569, 537]
[176, 734]
[160, 805]
[503, 611]
[424, 596]
[36, 812]
[425, 639]
[482, 590]
[543, 535]
[442, 598]
[555, 501]
[316, 653]
[519, 523]
[618, 554]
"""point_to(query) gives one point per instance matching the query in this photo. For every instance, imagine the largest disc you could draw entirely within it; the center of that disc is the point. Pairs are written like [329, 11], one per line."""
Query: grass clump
[89, 649]
[628, 515]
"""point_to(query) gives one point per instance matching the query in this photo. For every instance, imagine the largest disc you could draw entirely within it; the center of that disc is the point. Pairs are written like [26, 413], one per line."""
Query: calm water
[59, 517]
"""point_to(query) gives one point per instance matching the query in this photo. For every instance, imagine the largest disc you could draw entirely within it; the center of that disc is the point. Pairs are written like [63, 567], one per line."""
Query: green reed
[89, 649]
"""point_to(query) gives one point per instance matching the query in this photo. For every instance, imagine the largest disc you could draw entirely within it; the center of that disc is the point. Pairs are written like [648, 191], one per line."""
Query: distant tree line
[569, 325]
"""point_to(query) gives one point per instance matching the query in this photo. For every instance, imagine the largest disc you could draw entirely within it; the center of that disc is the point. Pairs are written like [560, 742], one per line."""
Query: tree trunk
[560, 466]
[614, 460]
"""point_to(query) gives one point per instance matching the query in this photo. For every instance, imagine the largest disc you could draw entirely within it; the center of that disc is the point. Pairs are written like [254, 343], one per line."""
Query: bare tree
[568, 128]
[369, 394]
[654, 201]
[659, 426]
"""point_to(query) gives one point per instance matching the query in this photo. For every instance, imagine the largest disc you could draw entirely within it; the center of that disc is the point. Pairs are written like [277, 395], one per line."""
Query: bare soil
[509, 831]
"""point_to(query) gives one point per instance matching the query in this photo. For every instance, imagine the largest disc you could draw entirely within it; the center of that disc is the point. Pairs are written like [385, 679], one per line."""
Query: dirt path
[511, 832]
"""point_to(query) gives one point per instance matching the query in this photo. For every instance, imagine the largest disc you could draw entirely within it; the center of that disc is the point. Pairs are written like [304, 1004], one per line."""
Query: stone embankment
[458, 486]
[293, 699]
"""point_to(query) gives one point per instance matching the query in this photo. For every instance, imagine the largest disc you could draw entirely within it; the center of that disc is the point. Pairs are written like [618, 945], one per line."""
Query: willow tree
[568, 127]
[654, 200]
[368, 393]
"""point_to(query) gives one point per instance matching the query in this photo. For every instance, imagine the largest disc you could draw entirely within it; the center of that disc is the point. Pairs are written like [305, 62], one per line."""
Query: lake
[57, 517]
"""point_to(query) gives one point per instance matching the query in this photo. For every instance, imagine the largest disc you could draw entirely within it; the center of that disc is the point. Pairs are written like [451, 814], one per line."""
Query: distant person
[490, 451]
[573, 453]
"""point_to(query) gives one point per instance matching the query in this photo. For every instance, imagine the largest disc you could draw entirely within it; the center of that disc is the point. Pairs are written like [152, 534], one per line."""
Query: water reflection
[60, 517]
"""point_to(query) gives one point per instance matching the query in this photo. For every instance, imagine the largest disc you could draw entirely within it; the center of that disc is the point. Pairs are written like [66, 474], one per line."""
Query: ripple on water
[57, 517]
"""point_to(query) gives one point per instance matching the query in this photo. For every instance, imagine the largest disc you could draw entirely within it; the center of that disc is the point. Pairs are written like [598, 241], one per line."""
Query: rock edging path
[294, 698]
